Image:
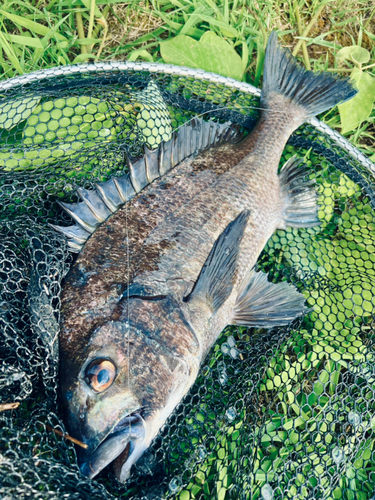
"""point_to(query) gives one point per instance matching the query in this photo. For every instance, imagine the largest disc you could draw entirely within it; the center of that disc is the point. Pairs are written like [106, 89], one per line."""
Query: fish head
[126, 382]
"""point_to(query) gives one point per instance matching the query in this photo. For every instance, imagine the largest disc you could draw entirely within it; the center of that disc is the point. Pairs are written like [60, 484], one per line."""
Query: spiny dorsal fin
[98, 204]
[215, 283]
[301, 209]
[263, 304]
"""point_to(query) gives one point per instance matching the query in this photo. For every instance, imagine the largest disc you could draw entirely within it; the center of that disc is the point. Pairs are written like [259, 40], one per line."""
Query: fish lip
[130, 429]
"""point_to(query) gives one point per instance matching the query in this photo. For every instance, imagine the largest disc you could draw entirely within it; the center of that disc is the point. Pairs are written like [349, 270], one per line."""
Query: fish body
[160, 279]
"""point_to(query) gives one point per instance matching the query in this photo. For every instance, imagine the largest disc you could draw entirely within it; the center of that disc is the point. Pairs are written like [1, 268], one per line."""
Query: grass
[38, 34]
[301, 383]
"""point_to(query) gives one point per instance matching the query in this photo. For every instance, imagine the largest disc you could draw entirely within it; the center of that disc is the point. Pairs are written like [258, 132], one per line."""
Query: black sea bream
[158, 281]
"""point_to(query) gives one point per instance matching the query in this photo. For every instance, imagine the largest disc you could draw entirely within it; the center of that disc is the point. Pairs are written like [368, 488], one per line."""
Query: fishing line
[128, 292]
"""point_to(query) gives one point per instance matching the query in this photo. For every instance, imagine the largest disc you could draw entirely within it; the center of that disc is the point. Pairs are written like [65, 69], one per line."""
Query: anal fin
[263, 304]
[301, 209]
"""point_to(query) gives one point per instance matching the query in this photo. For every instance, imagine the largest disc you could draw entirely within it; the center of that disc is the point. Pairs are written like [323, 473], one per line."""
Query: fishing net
[274, 414]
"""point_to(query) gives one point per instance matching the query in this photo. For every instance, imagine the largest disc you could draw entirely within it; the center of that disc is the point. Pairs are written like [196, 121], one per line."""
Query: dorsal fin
[107, 197]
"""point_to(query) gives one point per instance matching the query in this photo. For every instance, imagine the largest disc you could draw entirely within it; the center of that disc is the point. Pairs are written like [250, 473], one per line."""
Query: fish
[167, 259]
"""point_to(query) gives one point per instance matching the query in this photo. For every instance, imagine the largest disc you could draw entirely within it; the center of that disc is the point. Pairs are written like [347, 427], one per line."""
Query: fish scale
[173, 190]
[156, 283]
[240, 188]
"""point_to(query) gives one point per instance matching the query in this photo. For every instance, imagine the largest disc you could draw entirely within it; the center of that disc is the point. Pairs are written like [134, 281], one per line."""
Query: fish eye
[100, 374]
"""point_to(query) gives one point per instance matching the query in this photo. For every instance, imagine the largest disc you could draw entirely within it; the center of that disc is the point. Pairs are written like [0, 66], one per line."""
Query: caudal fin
[312, 92]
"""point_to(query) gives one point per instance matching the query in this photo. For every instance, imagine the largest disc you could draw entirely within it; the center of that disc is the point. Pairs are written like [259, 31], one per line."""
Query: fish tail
[286, 83]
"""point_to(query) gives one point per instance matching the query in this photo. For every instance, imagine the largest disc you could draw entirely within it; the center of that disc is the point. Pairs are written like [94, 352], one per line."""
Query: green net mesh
[287, 413]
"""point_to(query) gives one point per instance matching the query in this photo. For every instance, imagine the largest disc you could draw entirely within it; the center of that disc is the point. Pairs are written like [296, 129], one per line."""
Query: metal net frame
[274, 414]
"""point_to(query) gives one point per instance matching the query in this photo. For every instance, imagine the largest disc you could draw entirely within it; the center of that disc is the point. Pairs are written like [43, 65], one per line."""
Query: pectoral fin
[263, 304]
[215, 282]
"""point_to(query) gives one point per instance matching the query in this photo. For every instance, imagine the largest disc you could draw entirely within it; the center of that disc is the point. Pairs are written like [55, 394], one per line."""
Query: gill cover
[152, 349]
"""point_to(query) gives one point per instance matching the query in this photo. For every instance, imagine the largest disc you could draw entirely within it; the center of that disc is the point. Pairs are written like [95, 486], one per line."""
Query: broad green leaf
[211, 53]
[353, 53]
[359, 108]
[16, 111]
[34, 27]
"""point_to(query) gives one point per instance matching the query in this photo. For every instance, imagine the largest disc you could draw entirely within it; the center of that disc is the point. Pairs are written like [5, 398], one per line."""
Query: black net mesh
[274, 414]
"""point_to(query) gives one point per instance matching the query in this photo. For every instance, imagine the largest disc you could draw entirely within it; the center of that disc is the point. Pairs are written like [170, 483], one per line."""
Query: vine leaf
[358, 109]
[211, 53]
[354, 53]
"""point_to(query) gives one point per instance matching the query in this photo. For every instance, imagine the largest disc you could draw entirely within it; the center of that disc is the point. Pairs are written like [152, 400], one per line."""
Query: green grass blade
[10, 54]
[219, 24]
[250, 31]
[226, 11]
[87, 4]
[83, 58]
[260, 61]
[245, 56]
[52, 32]
[148, 37]
[88, 41]
[192, 21]
[320, 41]
[33, 26]
[107, 2]
[140, 53]
[28, 41]
[172, 24]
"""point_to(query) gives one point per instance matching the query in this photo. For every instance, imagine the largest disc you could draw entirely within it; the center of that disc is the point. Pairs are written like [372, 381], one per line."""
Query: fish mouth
[122, 447]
